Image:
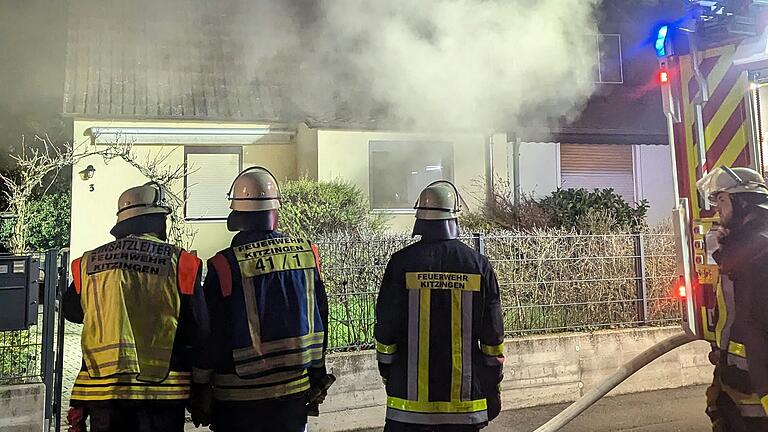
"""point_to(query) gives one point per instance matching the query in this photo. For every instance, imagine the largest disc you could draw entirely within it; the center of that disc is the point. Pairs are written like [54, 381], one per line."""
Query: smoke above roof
[432, 64]
[459, 65]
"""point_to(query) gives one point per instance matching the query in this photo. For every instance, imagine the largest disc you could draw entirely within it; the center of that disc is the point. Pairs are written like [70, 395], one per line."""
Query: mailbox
[18, 292]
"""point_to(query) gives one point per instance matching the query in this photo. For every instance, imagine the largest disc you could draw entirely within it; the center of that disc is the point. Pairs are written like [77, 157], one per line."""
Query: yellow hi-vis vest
[130, 295]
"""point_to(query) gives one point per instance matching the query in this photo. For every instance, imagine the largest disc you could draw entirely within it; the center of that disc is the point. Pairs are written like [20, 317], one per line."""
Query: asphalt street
[677, 410]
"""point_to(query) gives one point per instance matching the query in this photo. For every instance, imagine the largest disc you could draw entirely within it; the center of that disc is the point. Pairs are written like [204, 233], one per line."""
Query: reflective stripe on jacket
[439, 334]
[130, 295]
[126, 386]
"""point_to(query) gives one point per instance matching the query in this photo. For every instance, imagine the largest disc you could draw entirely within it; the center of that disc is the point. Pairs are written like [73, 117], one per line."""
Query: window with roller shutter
[211, 171]
[598, 166]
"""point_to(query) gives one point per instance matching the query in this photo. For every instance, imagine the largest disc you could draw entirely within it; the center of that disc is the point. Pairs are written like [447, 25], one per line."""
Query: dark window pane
[610, 59]
[399, 170]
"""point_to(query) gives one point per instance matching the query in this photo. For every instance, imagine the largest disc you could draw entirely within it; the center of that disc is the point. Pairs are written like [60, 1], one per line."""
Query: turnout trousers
[139, 417]
[725, 413]
[393, 426]
[269, 415]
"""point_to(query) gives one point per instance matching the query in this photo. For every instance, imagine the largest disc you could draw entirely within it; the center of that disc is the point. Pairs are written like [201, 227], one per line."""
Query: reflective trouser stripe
[414, 298]
[456, 342]
[175, 387]
[268, 391]
[425, 300]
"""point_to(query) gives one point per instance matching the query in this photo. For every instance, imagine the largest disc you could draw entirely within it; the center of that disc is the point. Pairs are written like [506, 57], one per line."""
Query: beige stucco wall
[318, 154]
[344, 154]
[93, 212]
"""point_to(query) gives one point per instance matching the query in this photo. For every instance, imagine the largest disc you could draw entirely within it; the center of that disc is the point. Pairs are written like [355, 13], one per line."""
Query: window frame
[195, 149]
[404, 210]
[598, 52]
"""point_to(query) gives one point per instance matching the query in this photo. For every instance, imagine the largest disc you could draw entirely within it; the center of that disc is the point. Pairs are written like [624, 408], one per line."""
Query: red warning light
[663, 76]
[680, 288]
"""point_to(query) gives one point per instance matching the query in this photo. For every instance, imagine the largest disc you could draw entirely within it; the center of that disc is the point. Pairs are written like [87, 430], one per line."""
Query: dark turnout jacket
[439, 335]
[743, 258]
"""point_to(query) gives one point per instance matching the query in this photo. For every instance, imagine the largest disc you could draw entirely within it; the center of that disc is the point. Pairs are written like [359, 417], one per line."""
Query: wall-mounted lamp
[87, 173]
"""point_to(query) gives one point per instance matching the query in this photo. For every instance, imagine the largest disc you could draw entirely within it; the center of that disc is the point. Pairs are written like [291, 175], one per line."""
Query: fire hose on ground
[624, 372]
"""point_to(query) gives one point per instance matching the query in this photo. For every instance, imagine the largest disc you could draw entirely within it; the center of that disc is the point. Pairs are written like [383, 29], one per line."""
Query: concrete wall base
[540, 370]
[22, 408]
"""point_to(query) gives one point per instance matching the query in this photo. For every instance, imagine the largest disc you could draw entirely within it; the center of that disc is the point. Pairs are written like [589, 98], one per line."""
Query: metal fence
[21, 351]
[548, 283]
[34, 355]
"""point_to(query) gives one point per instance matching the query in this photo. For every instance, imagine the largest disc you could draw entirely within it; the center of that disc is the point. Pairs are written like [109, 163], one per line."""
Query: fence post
[641, 288]
[63, 284]
[49, 310]
[479, 243]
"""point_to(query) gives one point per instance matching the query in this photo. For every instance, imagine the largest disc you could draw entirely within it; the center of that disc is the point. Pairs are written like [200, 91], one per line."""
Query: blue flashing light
[661, 41]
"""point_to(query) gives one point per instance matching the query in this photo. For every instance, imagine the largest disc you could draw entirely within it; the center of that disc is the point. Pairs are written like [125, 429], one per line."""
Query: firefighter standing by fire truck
[269, 315]
[738, 398]
[142, 309]
[439, 330]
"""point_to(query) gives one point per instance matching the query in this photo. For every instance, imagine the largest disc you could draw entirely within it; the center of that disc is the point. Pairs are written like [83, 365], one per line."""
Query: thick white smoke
[475, 65]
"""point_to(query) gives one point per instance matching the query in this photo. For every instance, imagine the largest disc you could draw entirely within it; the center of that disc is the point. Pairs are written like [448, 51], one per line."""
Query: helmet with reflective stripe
[254, 189]
[440, 200]
[732, 181]
[142, 200]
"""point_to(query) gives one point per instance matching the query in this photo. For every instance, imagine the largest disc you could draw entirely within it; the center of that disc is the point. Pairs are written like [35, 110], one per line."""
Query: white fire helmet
[142, 200]
[440, 200]
[732, 181]
[254, 189]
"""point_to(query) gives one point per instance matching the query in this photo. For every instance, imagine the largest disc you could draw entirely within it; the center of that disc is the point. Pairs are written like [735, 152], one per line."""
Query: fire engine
[713, 74]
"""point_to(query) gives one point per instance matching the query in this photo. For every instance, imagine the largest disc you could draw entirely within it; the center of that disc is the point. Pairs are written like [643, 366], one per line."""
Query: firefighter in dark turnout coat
[269, 316]
[439, 329]
[738, 398]
[144, 316]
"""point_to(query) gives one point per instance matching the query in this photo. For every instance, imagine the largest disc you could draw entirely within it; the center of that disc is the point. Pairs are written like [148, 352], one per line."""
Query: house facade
[195, 104]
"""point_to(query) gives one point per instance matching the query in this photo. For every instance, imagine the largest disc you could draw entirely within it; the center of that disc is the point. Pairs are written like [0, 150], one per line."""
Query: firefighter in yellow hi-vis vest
[738, 398]
[143, 312]
[269, 316]
[439, 330]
